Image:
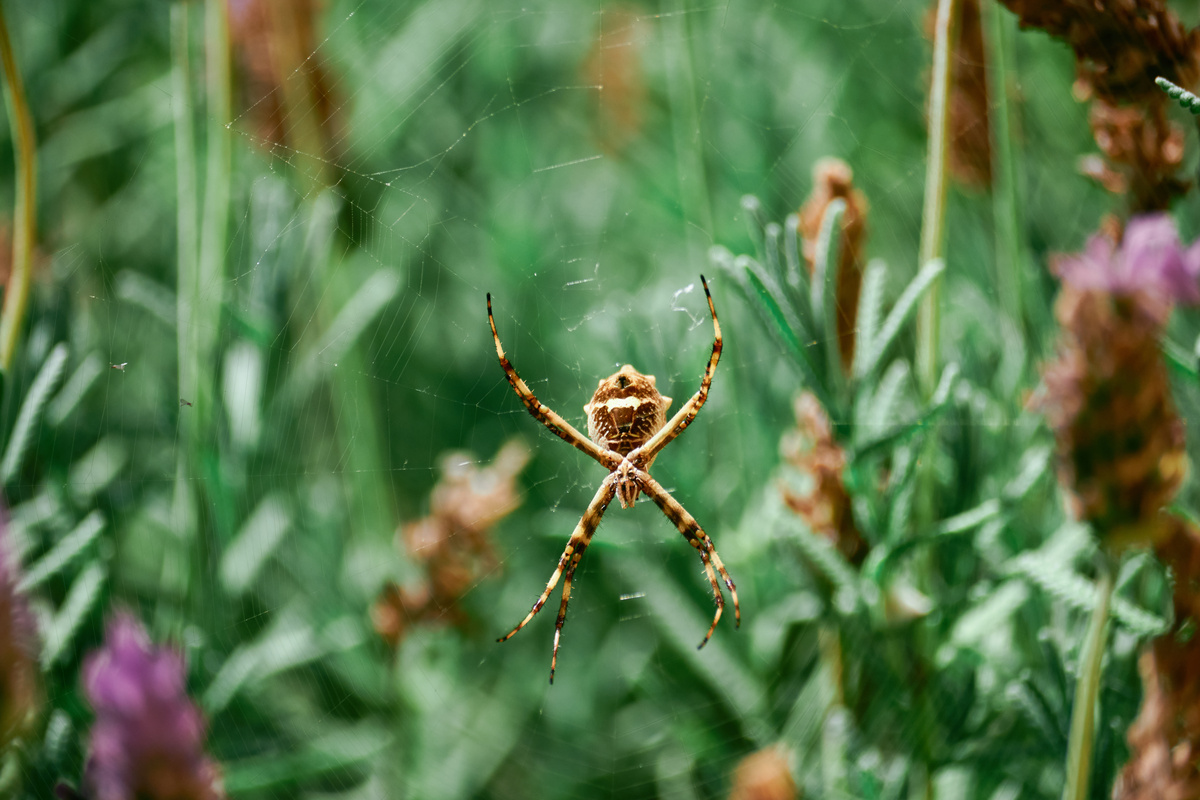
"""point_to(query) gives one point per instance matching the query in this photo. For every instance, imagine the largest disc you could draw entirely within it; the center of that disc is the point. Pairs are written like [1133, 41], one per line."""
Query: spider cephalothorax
[627, 428]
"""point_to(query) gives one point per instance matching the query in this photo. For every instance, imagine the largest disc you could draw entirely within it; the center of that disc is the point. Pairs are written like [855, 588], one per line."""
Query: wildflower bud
[825, 507]
[1107, 397]
[148, 738]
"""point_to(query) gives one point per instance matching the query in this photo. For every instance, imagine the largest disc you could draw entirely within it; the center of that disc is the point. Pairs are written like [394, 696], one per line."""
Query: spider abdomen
[625, 411]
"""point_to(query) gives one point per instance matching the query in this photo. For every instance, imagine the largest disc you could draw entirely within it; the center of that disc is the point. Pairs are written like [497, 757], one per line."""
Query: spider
[627, 428]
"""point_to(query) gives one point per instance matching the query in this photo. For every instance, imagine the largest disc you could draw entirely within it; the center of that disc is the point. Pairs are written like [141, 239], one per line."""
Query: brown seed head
[764, 775]
[832, 179]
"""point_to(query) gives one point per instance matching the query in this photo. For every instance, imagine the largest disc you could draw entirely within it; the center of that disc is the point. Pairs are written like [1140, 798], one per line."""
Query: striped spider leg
[627, 429]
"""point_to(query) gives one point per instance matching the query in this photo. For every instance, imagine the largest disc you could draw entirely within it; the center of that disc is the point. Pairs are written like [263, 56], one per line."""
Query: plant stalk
[16, 294]
[208, 288]
[933, 216]
[1087, 690]
[1005, 207]
[186, 241]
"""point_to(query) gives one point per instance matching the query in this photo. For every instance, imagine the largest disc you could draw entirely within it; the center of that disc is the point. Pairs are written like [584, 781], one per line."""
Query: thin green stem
[933, 217]
[1087, 690]
[186, 237]
[1005, 206]
[208, 288]
[16, 296]
[185, 191]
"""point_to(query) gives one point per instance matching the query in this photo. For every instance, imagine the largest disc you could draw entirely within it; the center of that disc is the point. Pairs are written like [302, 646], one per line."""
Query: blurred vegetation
[251, 346]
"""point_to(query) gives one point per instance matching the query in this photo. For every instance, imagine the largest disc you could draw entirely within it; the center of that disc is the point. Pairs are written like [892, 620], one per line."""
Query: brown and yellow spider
[627, 427]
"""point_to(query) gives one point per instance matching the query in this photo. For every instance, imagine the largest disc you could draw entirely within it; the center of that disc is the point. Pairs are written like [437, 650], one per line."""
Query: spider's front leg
[580, 539]
[542, 412]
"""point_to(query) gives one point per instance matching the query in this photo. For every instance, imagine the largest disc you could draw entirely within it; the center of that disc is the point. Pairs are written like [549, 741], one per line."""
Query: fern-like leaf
[901, 313]
[1185, 98]
[31, 411]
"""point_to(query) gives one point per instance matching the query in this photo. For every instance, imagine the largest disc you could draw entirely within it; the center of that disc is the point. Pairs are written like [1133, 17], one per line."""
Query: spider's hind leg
[578, 542]
[686, 524]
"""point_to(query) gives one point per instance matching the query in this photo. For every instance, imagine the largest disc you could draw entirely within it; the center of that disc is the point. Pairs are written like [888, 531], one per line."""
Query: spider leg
[678, 423]
[559, 426]
[691, 530]
[566, 596]
[569, 560]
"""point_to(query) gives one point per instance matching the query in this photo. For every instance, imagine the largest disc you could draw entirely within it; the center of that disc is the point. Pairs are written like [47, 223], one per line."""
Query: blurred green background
[283, 413]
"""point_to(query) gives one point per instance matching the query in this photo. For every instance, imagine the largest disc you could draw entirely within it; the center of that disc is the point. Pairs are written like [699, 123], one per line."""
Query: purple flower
[19, 690]
[1149, 259]
[148, 739]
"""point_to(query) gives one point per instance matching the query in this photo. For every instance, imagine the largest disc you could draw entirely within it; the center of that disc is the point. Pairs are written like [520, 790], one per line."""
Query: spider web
[577, 161]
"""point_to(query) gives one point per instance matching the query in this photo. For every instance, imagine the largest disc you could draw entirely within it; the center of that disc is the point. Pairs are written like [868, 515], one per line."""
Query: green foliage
[231, 443]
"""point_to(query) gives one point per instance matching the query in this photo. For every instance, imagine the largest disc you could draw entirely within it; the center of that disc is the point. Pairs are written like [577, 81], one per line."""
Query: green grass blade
[74, 390]
[31, 411]
[60, 631]
[63, 553]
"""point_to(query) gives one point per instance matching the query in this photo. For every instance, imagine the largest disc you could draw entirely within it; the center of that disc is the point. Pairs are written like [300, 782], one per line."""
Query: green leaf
[771, 236]
[902, 431]
[1179, 359]
[1064, 584]
[824, 286]
[157, 300]
[63, 553]
[60, 631]
[901, 312]
[797, 272]
[352, 319]
[31, 411]
[74, 390]
[254, 544]
[1033, 466]
[882, 558]
[770, 314]
[97, 468]
[755, 223]
[980, 622]
[825, 558]
[330, 754]
[870, 310]
[682, 623]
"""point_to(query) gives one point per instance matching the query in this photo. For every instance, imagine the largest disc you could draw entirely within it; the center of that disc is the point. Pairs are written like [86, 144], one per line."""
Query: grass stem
[16, 295]
[1087, 690]
[933, 216]
[1005, 207]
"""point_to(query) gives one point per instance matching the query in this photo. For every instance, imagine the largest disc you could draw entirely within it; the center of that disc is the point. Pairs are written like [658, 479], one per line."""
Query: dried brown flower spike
[1165, 737]
[454, 542]
[764, 775]
[1120, 440]
[832, 179]
[1120, 48]
[812, 450]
